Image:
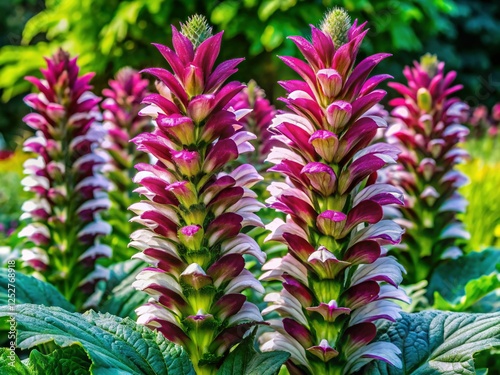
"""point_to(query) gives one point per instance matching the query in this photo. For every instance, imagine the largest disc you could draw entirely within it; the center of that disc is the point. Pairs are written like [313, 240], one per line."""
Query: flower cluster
[64, 225]
[194, 212]
[337, 279]
[483, 124]
[257, 121]
[122, 122]
[426, 129]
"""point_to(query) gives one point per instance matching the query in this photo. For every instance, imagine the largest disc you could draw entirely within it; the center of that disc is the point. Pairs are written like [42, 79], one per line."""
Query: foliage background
[109, 34]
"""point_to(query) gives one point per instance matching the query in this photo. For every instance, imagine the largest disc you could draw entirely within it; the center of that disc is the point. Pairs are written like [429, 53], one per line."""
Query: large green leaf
[116, 346]
[460, 284]
[28, 289]
[245, 360]
[436, 342]
[62, 361]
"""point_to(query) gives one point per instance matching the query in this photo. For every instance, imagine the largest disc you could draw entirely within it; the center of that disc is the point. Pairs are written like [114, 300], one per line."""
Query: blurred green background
[109, 34]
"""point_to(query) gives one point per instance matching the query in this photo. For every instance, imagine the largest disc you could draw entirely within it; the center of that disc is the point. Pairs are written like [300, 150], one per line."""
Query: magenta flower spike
[258, 120]
[194, 213]
[337, 278]
[427, 129]
[64, 227]
[122, 121]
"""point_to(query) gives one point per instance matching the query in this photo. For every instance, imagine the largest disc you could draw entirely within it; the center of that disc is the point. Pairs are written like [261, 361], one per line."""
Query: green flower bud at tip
[337, 23]
[196, 29]
[429, 64]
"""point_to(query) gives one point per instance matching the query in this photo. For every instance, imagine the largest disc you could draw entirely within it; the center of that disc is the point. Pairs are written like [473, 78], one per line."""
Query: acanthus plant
[194, 213]
[337, 278]
[64, 226]
[122, 122]
[257, 121]
[426, 128]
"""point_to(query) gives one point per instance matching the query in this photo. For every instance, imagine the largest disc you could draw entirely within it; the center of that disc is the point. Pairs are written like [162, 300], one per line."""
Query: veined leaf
[115, 346]
[62, 361]
[436, 342]
[28, 289]
[460, 283]
[245, 360]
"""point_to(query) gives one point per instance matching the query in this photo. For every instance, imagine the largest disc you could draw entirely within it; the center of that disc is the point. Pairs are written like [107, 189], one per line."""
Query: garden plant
[187, 224]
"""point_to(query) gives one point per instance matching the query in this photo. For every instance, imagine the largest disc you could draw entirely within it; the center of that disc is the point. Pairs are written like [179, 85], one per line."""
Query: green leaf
[116, 346]
[120, 298]
[245, 360]
[436, 342]
[459, 284]
[62, 361]
[28, 289]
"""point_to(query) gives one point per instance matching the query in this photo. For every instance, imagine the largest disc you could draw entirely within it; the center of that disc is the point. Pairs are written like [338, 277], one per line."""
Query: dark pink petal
[222, 153]
[358, 170]
[367, 211]
[163, 103]
[298, 332]
[373, 82]
[298, 136]
[308, 51]
[359, 135]
[219, 125]
[361, 294]
[360, 73]
[172, 59]
[359, 335]
[226, 268]
[227, 306]
[298, 246]
[170, 81]
[183, 47]
[225, 226]
[206, 53]
[221, 73]
[298, 290]
[323, 44]
[361, 105]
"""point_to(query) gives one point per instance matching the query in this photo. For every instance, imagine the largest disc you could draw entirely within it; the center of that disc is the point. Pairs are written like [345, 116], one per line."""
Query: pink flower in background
[427, 130]
[258, 120]
[337, 278]
[122, 122]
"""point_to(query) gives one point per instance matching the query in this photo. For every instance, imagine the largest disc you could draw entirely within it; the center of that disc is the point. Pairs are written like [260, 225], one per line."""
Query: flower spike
[426, 128]
[337, 279]
[63, 217]
[194, 212]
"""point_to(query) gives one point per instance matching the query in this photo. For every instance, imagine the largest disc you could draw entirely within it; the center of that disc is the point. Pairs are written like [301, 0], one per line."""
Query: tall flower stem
[426, 129]
[194, 213]
[64, 225]
[337, 279]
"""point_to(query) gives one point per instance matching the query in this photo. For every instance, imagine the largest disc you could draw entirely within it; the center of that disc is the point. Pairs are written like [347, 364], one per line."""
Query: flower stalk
[64, 227]
[426, 128]
[194, 213]
[337, 278]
